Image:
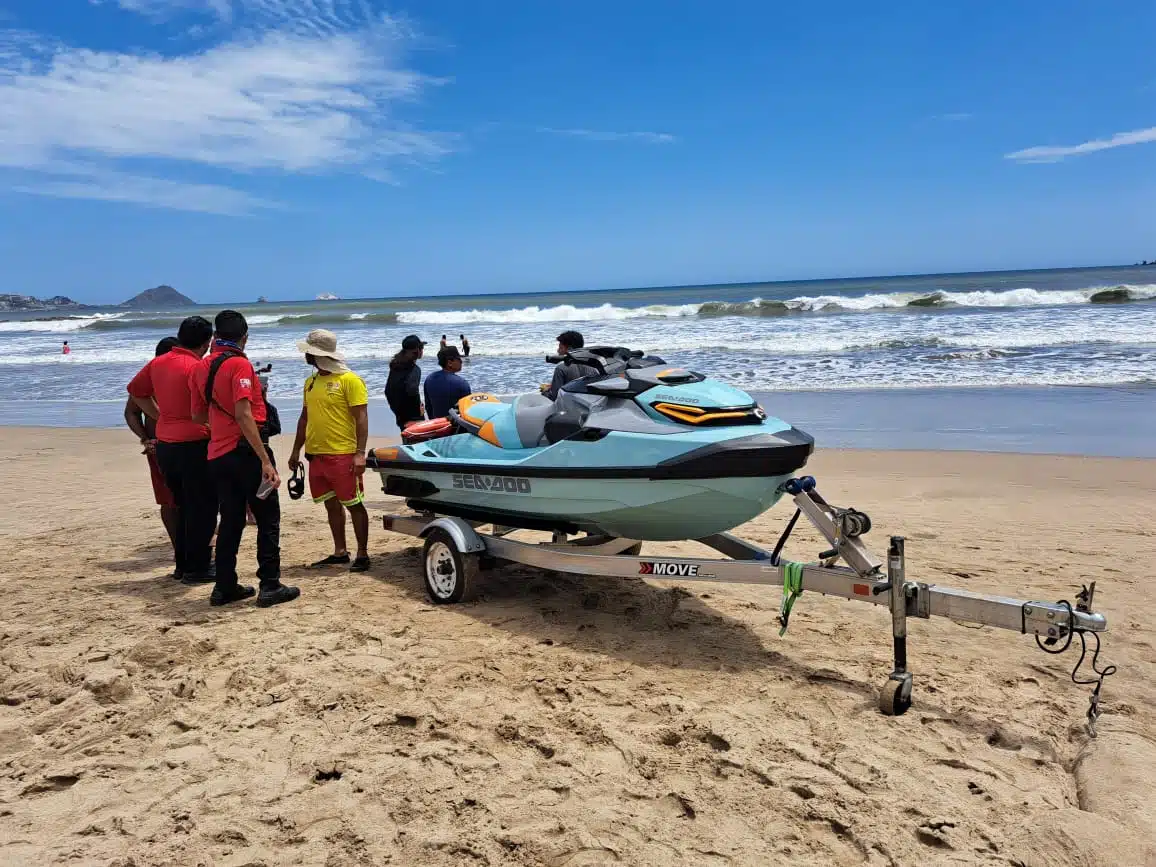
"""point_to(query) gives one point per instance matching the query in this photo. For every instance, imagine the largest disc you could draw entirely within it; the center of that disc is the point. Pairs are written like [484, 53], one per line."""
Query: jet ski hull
[696, 491]
[629, 508]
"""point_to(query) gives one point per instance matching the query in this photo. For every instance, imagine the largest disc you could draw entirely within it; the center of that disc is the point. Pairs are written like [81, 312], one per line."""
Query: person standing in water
[145, 429]
[67, 349]
[333, 429]
[465, 345]
[403, 388]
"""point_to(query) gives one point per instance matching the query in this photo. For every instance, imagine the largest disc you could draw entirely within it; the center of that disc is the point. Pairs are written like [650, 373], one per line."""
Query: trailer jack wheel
[895, 697]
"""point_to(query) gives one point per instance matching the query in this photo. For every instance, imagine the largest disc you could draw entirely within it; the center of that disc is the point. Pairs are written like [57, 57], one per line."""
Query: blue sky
[234, 148]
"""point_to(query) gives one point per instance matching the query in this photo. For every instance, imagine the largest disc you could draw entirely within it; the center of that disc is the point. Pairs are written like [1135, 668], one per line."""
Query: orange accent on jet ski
[469, 400]
[487, 433]
[696, 415]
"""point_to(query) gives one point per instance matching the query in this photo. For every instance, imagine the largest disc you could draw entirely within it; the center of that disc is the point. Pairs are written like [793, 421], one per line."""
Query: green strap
[792, 590]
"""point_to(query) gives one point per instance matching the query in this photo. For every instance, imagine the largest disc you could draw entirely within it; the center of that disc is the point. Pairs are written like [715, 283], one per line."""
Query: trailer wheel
[450, 575]
[895, 697]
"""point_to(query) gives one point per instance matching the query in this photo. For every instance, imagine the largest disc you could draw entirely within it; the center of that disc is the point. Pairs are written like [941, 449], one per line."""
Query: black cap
[450, 353]
[412, 342]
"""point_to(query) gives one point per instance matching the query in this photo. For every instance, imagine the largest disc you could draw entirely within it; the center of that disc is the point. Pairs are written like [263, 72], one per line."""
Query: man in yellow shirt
[333, 428]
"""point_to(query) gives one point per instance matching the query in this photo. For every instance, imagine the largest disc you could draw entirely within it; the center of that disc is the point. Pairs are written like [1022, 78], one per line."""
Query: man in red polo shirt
[225, 391]
[145, 430]
[161, 390]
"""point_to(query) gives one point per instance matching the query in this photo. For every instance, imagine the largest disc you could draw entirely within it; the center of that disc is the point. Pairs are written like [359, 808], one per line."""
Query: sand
[566, 721]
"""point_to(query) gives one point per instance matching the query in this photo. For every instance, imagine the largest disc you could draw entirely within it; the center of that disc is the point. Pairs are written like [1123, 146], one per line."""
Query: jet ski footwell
[456, 551]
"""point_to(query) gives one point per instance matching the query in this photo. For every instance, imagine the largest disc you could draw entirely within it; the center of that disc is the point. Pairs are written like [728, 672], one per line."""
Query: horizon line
[577, 290]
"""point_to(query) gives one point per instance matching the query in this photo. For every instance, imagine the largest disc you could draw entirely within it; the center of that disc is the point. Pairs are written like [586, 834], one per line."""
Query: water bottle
[265, 489]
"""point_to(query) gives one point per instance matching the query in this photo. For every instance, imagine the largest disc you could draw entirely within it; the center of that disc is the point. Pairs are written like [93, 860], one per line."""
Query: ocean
[839, 341]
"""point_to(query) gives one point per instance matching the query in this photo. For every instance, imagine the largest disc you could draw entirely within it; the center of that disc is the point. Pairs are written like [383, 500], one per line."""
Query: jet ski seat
[530, 414]
[541, 421]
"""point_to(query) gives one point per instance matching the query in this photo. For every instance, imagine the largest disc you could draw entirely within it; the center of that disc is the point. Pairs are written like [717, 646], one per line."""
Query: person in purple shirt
[444, 388]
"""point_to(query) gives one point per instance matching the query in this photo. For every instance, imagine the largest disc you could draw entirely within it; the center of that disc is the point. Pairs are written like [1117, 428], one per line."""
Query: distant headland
[28, 302]
[158, 298]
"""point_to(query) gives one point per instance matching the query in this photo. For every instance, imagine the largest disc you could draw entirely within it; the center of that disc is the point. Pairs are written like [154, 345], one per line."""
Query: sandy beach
[566, 721]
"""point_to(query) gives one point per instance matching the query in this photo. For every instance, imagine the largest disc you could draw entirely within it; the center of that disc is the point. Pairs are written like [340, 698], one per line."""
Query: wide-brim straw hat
[321, 344]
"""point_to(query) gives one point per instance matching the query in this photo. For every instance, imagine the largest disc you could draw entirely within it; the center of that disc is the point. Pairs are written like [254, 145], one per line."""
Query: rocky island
[159, 298]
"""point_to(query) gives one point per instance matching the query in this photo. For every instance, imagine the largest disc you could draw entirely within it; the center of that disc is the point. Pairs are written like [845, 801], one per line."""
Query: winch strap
[792, 589]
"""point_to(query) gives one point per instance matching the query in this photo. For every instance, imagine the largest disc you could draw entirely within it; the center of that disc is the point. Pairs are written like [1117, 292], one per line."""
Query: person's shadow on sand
[146, 559]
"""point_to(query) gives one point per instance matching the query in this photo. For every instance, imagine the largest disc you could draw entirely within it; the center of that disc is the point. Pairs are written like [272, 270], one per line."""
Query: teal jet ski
[640, 450]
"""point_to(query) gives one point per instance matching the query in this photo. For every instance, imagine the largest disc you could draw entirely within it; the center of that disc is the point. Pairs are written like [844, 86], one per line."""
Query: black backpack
[268, 428]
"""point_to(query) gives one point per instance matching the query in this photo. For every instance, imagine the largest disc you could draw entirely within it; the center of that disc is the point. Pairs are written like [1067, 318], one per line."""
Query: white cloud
[1053, 154]
[151, 192]
[601, 135]
[312, 87]
[221, 8]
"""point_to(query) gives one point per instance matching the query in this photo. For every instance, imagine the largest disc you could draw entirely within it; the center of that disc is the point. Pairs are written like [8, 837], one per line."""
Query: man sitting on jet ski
[568, 370]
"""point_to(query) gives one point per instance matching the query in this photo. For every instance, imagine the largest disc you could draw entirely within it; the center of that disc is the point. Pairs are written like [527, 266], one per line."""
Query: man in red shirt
[226, 392]
[145, 430]
[161, 390]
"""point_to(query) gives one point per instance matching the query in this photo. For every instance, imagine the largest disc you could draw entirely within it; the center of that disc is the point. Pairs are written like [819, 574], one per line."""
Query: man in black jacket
[403, 388]
[568, 371]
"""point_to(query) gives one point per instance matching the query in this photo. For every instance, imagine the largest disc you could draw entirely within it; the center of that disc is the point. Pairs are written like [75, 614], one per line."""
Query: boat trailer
[455, 552]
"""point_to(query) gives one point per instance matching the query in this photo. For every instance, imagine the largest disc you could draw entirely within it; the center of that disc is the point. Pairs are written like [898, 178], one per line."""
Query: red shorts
[161, 492]
[333, 476]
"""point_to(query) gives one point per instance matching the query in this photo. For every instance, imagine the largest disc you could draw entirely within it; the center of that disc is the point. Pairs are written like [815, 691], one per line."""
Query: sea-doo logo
[677, 398]
[495, 484]
[675, 570]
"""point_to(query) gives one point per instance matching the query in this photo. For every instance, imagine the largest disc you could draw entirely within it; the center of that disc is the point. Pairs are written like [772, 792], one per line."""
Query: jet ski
[639, 450]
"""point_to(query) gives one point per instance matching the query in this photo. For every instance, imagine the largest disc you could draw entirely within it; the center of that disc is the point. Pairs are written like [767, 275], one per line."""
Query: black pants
[237, 476]
[186, 472]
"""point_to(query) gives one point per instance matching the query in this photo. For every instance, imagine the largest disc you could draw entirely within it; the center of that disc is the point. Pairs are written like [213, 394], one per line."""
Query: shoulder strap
[214, 368]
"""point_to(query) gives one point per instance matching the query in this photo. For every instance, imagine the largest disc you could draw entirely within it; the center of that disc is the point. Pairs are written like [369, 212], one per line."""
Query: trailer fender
[464, 536]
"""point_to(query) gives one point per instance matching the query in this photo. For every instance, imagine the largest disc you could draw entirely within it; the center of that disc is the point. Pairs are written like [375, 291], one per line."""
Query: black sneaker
[233, 594]
[277, 595]
[361, 564]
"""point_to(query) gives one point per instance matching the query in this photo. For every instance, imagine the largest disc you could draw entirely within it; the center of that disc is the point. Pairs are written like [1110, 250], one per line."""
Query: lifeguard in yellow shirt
[333, 429]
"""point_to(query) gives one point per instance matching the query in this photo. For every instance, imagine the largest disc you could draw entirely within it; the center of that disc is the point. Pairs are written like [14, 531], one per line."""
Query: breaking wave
[558, 313]
[59, 324]
[986, 298]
